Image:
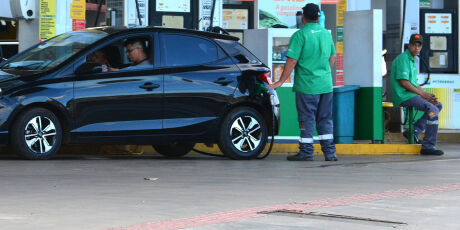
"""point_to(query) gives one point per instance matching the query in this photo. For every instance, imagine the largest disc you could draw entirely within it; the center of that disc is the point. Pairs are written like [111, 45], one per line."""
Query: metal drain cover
[300, 213]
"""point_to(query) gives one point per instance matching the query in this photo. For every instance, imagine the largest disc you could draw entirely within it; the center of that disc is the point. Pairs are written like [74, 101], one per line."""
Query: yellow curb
[376, 149]
[341, 149]
[278, 149]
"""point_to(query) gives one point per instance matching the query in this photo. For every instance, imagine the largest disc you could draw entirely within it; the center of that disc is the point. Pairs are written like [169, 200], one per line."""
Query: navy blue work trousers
[315, 109]
[429, 120]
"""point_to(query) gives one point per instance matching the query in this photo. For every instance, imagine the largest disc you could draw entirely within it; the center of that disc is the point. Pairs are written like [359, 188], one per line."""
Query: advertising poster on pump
[276, 13]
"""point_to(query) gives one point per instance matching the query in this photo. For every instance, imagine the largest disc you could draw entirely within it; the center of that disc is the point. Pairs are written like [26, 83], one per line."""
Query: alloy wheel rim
[40, 134]
[246, 133]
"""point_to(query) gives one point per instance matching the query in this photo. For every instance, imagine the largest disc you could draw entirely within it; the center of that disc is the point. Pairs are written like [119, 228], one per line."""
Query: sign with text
[131, 15]
[47, 21]
[341, 9]
[235, 19]
[205, 14]
[173, 5]
[78, 9]
[438, 23]
[78, 24]
[281, 13]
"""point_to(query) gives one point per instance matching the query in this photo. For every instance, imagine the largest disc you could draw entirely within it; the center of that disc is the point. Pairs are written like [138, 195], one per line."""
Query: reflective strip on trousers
[326, 137]
[436, 122]
[306, 140]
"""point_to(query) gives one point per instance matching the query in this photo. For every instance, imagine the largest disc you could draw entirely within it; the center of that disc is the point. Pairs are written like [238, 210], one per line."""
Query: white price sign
[438, 23]
[131, 17]
[173, 5]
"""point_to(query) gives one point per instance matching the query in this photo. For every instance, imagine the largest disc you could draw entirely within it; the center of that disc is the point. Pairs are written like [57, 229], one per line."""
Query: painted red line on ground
[244, 214]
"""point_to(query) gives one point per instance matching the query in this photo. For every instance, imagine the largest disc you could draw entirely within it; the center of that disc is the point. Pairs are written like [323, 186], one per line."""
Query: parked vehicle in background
[193, 87]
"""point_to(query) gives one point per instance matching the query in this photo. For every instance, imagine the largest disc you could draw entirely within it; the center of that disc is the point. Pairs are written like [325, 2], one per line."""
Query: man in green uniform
[406, 92]
[312, 54]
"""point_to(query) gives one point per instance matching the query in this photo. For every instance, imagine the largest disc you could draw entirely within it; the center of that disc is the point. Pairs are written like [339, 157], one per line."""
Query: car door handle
[223, 81]
[149, 86]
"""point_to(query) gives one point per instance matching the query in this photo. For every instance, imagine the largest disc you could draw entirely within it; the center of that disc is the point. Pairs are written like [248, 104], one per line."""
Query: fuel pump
[176, 14]
[440, 47]
[129, 13]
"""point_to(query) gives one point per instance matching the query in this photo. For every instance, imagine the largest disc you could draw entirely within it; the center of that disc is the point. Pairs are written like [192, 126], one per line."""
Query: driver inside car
[99, 58]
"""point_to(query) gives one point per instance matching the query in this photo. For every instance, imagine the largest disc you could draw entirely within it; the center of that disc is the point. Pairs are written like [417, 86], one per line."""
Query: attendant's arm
[332, 60]
[288, 68]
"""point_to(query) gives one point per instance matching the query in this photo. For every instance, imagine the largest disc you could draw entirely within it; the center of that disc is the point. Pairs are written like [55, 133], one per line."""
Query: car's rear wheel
[174, 150]
[36, 134]
[243, 134]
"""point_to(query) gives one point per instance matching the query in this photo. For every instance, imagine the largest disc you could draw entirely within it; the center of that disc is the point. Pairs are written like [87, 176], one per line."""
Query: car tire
[36, 134]
[174, 150]
[243, 134]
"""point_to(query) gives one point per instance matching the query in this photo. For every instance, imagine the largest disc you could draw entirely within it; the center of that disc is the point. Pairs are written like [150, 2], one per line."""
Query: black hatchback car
[185, 87]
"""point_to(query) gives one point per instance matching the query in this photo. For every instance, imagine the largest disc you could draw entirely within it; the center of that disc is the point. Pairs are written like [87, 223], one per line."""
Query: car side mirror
[88, 68]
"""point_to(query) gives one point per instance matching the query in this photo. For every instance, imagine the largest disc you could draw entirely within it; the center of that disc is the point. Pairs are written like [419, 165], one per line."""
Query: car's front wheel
[36, 134]
[243, 134]
[174, 150]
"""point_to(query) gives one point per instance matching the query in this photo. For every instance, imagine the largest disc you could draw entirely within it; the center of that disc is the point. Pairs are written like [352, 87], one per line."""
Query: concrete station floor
[93, 191]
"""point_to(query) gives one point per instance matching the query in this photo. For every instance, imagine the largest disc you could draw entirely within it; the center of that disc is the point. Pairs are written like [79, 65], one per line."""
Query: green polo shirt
[312, 46]
[403, 67]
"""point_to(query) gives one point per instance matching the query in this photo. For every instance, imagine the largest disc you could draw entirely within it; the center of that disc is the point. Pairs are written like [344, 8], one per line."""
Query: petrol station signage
[275, 13]
[57, 17]
[206, 11]
[438, 23]
[132, 16]
[78, 14]
[173, 5]
[47, 23]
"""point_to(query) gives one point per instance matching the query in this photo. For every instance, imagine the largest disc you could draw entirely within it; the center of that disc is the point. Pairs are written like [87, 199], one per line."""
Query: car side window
[127, 54]
[238, 52]
[183, 50]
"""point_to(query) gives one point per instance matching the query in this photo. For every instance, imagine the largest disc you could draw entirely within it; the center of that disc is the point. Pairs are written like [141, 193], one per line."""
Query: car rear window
[234, 48]
[183, 50]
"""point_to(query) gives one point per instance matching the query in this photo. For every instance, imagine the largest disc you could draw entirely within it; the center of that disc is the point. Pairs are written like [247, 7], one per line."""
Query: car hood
[12, 74]
[8, 80]
[6, 76]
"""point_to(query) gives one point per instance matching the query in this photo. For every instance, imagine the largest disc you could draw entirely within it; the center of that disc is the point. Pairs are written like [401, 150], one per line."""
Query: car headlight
[1, 93]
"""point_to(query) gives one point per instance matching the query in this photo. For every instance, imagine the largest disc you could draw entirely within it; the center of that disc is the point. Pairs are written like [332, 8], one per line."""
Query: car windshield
[53, 52]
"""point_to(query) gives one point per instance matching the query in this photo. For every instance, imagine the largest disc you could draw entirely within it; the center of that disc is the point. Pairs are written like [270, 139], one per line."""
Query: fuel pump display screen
[438, 43]
[438, 23]
[173, 6]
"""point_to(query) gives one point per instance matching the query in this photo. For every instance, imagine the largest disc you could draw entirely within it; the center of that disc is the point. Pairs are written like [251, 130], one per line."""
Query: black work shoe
[299, 157]
[433, 152]
[416, 139]
[331, 159]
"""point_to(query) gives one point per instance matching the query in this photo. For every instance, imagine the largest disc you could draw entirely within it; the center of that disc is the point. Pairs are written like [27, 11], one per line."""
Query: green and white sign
[276, 13]
[425, 4]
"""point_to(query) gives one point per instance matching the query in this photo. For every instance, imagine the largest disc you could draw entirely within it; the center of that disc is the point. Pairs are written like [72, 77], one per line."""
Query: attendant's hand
[430, 98]
[435, 99]
[274, 85]
[110, 69]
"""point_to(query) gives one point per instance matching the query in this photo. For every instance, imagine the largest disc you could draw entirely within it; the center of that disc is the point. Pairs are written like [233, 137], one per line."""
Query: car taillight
[266, 77]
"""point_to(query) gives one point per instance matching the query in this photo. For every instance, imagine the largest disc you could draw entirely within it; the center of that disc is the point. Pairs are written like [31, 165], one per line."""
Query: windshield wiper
[18, 68]
[25, 66]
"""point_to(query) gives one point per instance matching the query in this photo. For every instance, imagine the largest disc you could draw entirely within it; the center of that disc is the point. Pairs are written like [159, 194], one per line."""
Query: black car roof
[115, 30]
